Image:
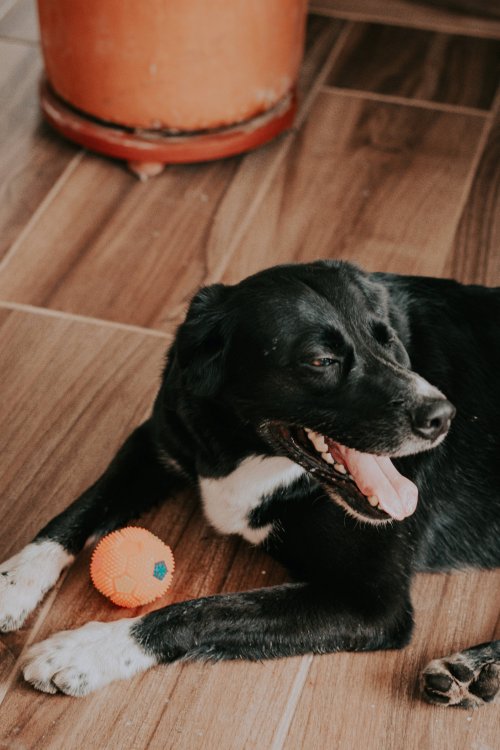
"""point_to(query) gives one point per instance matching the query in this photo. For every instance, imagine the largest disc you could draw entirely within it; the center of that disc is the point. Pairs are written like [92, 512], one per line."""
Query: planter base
[147, 150]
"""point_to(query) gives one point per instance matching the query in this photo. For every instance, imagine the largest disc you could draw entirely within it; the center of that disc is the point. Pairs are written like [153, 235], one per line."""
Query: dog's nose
[433, 419]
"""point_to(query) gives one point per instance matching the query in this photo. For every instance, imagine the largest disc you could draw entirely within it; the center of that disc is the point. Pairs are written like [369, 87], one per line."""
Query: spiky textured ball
[132, 567]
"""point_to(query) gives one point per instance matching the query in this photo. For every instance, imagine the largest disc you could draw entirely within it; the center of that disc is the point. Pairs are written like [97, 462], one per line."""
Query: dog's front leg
[285, 620]
[133, 483]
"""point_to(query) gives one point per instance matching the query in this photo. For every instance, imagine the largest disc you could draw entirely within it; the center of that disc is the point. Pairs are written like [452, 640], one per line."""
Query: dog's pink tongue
[377, 475]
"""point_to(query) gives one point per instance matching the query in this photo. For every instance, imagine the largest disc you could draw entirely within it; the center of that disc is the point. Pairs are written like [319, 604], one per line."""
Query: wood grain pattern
[391, 186]
[372, 700]
[121, 249]
[205, 564]
[410, 14]
[91, 385]
[20, 22]
[59, 382]
[32, 158]
[377, 184]
[475, 254]
[110, 247]
[419, 64]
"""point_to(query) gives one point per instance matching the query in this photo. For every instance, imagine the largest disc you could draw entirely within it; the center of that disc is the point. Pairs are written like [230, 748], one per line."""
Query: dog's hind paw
[76, 662]
[25, 578]
[467, 679]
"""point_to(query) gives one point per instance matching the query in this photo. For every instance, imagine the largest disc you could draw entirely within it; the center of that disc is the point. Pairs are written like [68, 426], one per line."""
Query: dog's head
[311, 358]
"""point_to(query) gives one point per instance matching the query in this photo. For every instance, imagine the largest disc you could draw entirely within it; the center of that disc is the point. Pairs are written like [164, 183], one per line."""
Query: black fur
[240, 365]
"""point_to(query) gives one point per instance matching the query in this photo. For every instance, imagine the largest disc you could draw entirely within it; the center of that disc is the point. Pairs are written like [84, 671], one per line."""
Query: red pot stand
[147, 151]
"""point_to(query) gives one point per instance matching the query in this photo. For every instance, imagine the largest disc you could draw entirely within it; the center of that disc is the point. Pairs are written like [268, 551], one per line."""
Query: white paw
[26, 577]
[76, 662]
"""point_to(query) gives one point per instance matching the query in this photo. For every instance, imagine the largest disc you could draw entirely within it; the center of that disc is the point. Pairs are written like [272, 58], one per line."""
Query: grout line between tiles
[218, 271]
[19, 40]
[490, 121]
[462, 26]
[54, 190]
[393, 99]
[61, 314]
[330, 61]
[291, 704]
[469, 180]
[495, 105]
[9, 4]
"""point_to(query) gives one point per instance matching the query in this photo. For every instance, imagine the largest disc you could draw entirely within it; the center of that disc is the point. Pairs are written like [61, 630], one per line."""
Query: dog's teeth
[315, 439]
[318, 441]
[320, 444]
[327, 457]
[373, 500]
[340, 468]
[306, 429]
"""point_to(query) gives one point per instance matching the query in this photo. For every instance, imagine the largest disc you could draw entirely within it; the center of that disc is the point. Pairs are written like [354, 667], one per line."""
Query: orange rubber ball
[132, 567]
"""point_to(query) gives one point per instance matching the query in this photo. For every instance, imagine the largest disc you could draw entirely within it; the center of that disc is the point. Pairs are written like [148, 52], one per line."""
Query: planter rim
[158, 146]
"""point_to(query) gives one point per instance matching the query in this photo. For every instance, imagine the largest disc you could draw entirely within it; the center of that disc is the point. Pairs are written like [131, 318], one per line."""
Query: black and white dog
[314, 408]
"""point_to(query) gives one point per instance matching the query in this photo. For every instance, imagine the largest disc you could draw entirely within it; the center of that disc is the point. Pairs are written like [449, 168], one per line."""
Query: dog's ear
[203, 339]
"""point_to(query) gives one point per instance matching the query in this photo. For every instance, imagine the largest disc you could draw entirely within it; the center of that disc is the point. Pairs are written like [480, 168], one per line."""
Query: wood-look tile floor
[393, 163]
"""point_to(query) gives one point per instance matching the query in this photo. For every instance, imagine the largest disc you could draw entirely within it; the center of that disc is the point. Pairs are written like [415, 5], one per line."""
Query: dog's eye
[323, 362]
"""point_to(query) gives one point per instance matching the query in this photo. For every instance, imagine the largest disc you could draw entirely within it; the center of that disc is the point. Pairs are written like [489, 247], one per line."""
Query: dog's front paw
[467, 679]
[25, 578]
[76, 662]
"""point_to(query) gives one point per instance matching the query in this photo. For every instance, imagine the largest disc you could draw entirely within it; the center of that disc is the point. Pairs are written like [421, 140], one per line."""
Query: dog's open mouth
[369, 484]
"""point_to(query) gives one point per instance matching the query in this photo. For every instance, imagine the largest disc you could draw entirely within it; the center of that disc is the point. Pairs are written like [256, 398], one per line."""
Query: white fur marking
[76, 662]
[228, 501]
[25, 578]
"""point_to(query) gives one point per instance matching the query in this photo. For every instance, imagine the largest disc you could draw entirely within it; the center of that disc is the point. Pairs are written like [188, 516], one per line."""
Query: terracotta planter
[172, 66]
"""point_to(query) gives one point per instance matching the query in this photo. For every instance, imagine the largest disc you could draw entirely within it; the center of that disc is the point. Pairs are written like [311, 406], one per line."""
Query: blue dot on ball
[160, 570]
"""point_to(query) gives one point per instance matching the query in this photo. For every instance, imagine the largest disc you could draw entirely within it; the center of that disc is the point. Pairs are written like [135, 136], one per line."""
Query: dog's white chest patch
[228, 501]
